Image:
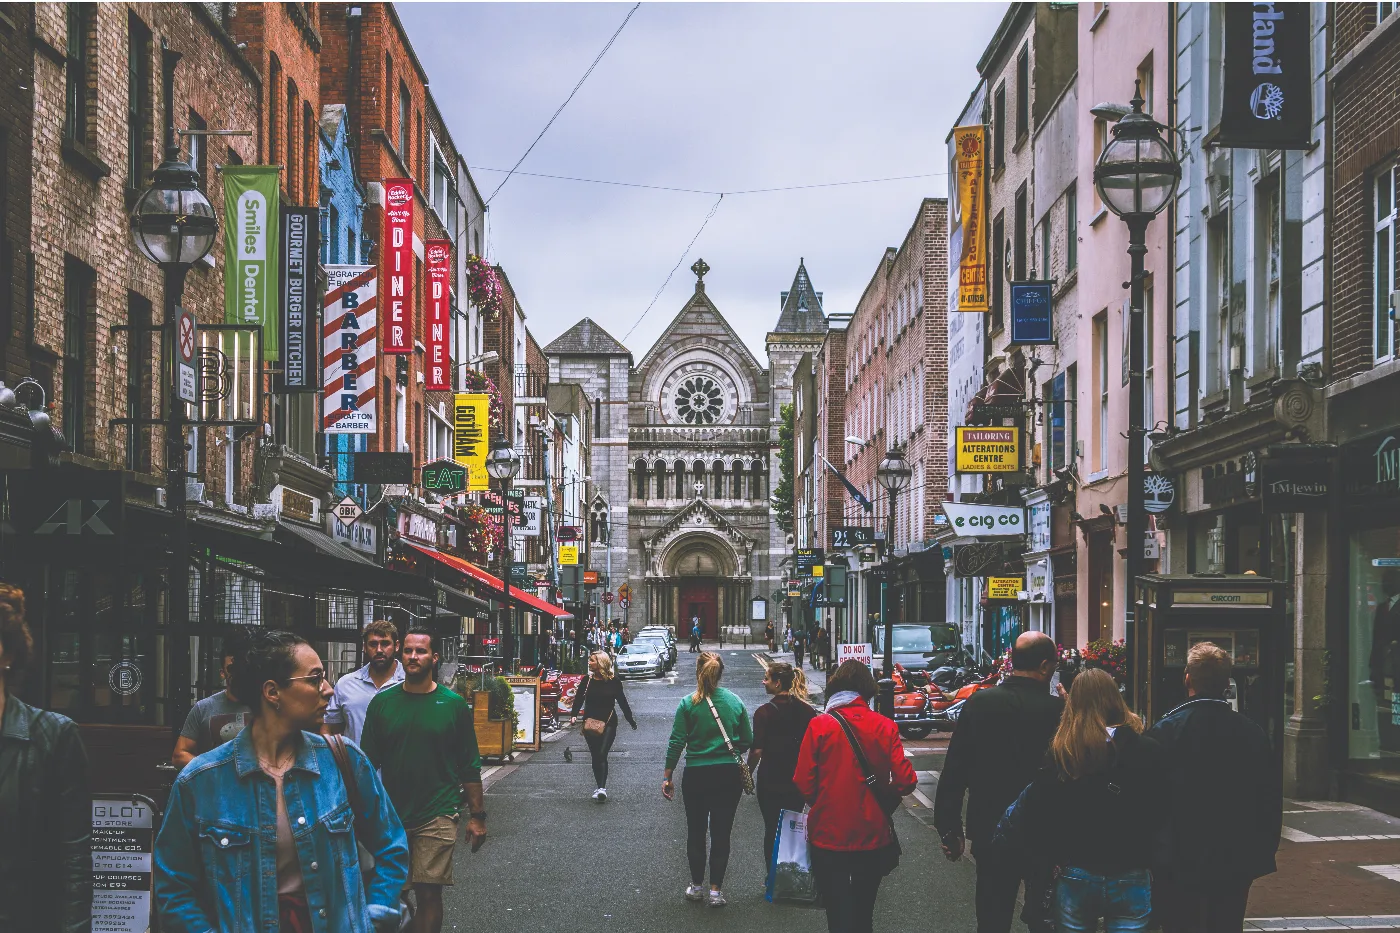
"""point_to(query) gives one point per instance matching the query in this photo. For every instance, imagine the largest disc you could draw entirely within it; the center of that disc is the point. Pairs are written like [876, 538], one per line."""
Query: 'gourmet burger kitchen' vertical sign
[439, 315]
[396, 330]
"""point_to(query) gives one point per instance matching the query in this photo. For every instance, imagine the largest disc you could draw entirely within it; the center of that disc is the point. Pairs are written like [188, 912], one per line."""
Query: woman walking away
[850, 826]
[45, 807]
[712, 728]
[266, 825]
[1094, 811]
[778, 728]
[601, 692]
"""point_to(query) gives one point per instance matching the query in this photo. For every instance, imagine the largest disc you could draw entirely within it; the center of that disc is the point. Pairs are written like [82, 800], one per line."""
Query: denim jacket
[216, 855]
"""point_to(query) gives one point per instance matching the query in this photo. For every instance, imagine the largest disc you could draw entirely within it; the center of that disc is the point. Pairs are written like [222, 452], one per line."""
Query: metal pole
[1137, 516]
[887, 682]
[507, 626]
[175, 470]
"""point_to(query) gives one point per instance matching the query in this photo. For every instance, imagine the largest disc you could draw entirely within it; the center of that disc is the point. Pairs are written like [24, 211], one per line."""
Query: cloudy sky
[717, 97]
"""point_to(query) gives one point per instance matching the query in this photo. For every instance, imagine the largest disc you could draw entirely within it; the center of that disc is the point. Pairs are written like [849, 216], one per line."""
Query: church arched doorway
[700, 581]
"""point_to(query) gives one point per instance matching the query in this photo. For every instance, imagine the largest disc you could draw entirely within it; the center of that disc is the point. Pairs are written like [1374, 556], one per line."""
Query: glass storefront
[1373, 625]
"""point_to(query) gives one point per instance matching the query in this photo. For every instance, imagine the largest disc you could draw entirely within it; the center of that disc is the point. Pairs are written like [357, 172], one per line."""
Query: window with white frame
[439, 436]
[1383, 329]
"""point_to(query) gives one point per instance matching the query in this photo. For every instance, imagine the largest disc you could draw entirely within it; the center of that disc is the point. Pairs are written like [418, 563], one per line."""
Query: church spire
[801, 306]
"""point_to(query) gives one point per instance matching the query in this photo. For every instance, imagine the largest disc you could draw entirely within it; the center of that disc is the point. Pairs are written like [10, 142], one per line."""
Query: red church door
[700, 597]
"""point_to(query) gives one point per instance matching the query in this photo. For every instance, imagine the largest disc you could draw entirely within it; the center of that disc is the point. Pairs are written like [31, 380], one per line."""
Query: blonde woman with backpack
[712, 730]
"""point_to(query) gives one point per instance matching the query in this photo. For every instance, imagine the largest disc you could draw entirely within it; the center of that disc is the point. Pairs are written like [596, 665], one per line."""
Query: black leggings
[771, 801]
[598, 748]
[711, 794]
[849, 882]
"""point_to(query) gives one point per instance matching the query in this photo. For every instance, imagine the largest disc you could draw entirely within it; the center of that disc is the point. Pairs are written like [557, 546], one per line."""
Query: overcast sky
[720, 97]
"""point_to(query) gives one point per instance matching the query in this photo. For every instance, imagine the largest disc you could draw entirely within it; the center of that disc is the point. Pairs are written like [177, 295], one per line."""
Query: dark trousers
[711, 794]
[771, 801]
[797, 654]
[998, 880]
[598, 748]
[848, 882]
[1186, 907]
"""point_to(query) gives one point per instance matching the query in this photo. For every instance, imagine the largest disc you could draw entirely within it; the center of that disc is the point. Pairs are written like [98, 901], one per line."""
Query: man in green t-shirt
[420, 736]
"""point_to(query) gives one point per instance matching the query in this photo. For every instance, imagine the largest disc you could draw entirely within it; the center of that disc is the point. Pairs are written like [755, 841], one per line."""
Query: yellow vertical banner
[970, 143]
[471, 436]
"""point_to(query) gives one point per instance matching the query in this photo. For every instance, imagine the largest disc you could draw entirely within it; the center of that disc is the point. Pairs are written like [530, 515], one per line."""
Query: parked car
[636, 660]
[656, 641]
[660, 631]
[918, 647]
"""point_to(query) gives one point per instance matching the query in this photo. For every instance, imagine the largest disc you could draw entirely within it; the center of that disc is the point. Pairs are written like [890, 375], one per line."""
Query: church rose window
[699, 400]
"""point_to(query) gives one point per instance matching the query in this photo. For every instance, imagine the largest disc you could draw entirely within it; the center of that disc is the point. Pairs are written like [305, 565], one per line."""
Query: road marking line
[1391, 872]
[1371, 922]
[923, 798]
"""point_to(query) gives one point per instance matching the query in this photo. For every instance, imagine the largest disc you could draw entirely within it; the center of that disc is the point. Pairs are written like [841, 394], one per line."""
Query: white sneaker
[717, 899]
[600, 795]
[695, 892]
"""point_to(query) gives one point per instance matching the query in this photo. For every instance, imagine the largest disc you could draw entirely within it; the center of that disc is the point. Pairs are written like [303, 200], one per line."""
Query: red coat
[844, 814]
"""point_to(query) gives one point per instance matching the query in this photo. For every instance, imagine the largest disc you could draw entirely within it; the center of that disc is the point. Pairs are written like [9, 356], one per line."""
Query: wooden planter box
[495, 738]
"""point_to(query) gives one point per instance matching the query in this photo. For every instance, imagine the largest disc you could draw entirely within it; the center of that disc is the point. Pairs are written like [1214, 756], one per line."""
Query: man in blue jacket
[1225, 806]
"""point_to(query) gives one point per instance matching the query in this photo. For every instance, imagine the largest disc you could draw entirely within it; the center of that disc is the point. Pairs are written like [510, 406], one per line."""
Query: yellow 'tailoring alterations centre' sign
[471, 415]
[970, 143]
[988, 450]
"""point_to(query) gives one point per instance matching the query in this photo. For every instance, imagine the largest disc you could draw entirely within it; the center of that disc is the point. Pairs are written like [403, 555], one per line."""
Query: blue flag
[855, 493]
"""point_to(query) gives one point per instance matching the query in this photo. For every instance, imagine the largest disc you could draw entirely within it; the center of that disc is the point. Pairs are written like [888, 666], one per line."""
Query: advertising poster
[1003, 587]
[471, 412]
[1267, 94]
[398, 265]
[526, 691]
[251, 202]
[1031, 313]
[123, 830]
[988, 450]
[349, 345]
[301, 251]
[568, 555]
[971, 145]
[438, 362]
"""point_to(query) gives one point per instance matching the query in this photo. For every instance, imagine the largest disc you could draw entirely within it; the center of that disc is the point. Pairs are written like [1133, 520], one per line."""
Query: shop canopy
[523, 599]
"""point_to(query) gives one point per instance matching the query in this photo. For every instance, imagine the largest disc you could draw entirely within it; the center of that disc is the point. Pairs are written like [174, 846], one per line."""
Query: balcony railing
[686, 434]
[530, 385]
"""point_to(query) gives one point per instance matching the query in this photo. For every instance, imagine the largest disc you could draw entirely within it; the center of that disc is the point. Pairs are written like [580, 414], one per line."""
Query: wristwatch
[479, 815]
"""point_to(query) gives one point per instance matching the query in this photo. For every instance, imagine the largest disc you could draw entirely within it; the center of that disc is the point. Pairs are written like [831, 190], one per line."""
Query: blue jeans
[1124, 901]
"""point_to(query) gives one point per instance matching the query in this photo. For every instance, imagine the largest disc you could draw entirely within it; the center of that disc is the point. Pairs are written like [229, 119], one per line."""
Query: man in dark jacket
[998, 746]
[1225, 804]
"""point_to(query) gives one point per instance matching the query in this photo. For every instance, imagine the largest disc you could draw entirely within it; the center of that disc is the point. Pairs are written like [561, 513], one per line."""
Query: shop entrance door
[700, 597]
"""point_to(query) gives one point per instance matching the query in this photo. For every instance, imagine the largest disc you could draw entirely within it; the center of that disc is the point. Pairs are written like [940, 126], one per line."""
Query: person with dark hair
[997, 748]
[712, 729]
[261, 832]
[45, 807]
[778, 728]
[346, 714]
[1224, 804]
[421, 736]
[218, 717]
[852, 769]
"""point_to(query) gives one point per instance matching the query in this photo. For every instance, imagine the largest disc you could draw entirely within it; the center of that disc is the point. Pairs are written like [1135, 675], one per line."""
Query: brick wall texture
[16, 140]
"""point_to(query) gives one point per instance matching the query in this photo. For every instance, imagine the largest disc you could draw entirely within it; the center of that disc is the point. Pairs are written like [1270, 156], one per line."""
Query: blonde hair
[1080, 746]
[799, 688]
[707, 673]
[605, 664]
[1210, 667]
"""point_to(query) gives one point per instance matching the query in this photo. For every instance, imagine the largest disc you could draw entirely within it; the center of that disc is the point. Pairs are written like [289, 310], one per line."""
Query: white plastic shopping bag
[790, 868]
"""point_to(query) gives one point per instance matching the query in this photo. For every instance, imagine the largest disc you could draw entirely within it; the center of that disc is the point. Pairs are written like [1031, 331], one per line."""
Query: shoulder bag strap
[724, 732]
[861, 760]
[347, 776]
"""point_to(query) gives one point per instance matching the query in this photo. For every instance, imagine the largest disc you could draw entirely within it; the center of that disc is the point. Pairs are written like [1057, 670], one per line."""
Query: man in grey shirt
[346, 713]
[215, 719]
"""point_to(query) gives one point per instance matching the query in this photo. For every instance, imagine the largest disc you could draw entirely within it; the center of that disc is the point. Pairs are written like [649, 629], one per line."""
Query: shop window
[199, 149]
[140, 105]
[79, 297]
[80, 76]
[1268, 304]
[1383, 261]
[1373, 681]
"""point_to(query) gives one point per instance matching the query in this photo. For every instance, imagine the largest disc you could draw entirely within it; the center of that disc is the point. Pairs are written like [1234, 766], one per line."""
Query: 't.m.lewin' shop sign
[1371, 470]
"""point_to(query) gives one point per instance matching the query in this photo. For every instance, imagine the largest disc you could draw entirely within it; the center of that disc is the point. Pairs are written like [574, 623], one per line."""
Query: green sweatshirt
[696, 733]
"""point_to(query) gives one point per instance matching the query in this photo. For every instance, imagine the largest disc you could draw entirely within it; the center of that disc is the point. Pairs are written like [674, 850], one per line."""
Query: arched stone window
[642, 476]
[757, 477]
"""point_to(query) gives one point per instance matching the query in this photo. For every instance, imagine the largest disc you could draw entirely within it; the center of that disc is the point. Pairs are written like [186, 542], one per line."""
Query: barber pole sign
[439, 305]
[398, 265]
[348, 350]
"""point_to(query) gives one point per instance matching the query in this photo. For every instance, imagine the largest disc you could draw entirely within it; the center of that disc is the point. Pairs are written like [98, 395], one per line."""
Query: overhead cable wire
[596, 60]
[676, 188]
[714, 207]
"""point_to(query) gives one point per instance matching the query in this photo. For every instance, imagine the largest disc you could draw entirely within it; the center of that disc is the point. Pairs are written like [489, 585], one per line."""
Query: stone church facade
[685, 456]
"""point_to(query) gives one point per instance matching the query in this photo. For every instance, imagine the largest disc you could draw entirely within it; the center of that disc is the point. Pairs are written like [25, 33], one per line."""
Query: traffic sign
[608, 598]
[625, 591]
[624, 602]
[348, 511]
[187, 386]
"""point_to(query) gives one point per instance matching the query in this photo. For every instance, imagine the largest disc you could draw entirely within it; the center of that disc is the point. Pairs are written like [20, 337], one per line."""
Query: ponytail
[707, 673]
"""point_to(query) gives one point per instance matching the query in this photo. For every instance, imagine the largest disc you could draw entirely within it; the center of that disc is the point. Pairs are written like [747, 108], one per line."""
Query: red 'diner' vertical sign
[397, 327]
[439, 313]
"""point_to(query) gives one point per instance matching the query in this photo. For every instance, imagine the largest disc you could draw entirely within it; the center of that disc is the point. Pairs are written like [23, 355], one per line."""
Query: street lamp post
[1136, 175]
[173, 225]
[893, 474]
[502, 464]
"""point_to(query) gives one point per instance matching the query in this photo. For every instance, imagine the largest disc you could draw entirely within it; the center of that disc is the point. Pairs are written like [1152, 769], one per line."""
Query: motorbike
[912, 703]
[946, 707]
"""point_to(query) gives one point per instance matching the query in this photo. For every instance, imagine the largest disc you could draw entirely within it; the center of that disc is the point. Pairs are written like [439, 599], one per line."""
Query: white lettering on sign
[985, 521]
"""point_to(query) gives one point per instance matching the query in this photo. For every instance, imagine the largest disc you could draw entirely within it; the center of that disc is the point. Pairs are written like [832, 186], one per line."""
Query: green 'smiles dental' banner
[251, 250]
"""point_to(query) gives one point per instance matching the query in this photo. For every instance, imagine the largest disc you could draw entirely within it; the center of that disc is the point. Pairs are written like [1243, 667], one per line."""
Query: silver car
[643, 660]
[658, 631]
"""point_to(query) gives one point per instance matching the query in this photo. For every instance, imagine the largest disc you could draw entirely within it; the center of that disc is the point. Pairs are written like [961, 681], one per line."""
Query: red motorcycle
[946, 707]
[913, 710]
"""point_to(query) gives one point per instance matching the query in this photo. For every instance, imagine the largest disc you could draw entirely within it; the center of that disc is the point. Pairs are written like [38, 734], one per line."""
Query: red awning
[524, 599]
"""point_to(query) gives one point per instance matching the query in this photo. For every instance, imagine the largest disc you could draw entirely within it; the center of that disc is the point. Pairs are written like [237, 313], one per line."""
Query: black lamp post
[503, 465]
[173, 225]
[1136, 175]
[893, 474]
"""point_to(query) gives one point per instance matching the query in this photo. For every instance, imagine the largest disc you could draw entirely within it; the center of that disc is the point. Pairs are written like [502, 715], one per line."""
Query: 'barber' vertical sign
[1268, 76]
[397, 327]
[299, 302]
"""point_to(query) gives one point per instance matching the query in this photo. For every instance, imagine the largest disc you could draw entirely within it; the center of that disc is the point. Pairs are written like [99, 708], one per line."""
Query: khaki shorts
[430, 849]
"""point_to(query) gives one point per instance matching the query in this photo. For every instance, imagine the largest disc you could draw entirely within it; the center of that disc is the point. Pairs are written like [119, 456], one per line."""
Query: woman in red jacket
[849, 826]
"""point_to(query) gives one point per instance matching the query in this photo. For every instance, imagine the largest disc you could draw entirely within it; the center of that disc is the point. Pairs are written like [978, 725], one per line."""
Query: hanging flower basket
[482, 534]
[484, 286]
[480, 382]
[1111, 656]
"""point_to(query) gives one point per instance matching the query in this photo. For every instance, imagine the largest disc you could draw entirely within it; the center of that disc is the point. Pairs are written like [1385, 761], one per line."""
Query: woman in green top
[712, 728]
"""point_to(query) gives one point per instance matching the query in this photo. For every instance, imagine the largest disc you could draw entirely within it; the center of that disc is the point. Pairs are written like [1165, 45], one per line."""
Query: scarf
[841, 698]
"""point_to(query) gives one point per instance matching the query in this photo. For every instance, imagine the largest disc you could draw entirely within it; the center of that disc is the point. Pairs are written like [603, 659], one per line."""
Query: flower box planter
[495, 738]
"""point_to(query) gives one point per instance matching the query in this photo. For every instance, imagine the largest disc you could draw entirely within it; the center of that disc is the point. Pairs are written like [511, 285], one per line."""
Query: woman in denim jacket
[259, 834]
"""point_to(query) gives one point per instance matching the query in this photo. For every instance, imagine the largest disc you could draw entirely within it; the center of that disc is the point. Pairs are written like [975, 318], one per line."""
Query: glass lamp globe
[502, 463]
[1137, 172]
[893, 472]
[173, 223]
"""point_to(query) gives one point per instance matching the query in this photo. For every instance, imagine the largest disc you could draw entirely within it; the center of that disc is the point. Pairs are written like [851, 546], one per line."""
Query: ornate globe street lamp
[893, 474]
[503, 465]
[1136, 176]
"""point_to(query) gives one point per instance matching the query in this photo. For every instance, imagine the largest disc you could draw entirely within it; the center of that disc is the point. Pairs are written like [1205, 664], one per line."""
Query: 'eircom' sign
[988, 450]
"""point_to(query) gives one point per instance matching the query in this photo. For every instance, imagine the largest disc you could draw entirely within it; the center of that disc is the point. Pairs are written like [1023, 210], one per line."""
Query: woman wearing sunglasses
[259, 833]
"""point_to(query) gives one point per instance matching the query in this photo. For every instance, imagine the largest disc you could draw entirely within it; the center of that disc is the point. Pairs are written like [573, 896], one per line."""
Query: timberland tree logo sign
[1267, 94]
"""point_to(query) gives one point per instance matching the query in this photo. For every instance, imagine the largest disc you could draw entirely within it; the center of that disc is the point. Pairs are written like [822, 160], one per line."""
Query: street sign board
[988, 450]
[1030, 313]
[625, 590]
[1003, 587]
[590, 578]
[973, 520]
[444, 476]
[861, 652]
[805, 558]
[568, 555]
[186, 346]
[848, 536]
[624, 602]
[123, 831]
[348, 511]
[381, 468]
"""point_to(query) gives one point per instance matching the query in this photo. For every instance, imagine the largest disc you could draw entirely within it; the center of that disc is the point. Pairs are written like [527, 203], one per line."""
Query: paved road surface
[557, 862]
